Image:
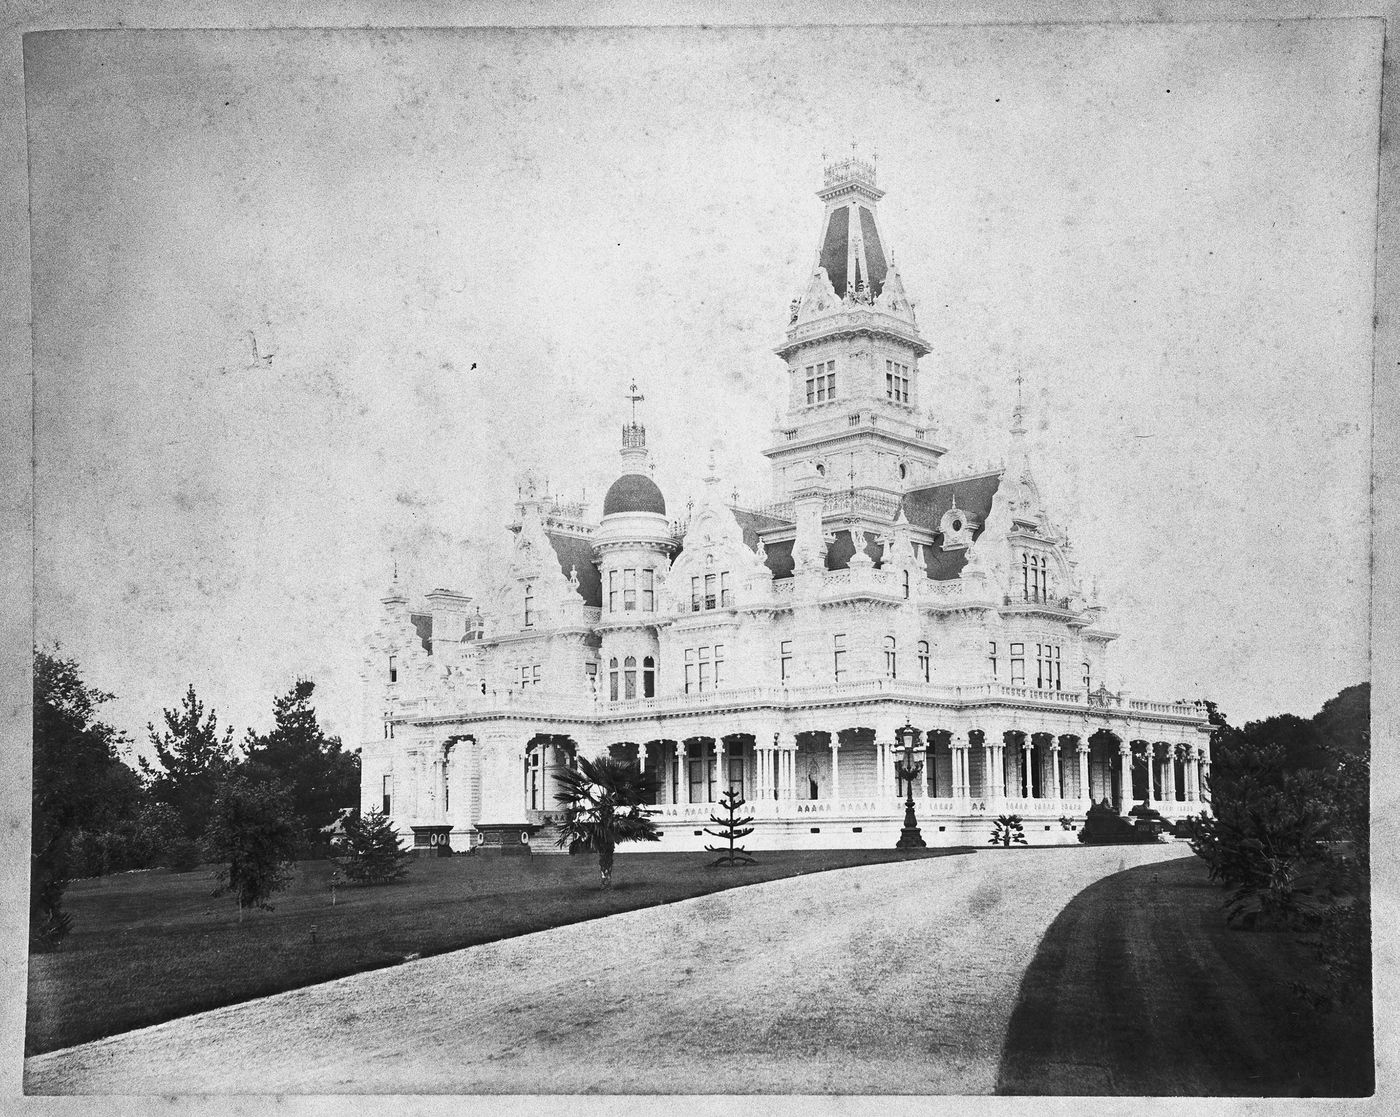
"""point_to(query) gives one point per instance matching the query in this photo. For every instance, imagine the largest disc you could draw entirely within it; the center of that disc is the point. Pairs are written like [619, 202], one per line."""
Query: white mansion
[779, 649]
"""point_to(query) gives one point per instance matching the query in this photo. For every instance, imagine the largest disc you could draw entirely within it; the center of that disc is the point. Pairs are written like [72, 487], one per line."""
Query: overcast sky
[460, 246]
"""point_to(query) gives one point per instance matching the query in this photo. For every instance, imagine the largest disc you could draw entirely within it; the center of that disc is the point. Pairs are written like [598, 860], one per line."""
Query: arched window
[923, 659]
[906, 583]
[393, 668]
[629, 677]
[1025, 576]
[648, 677]
[1086, 675]
[890, 665]
[1044, 578]
[612, 679]
[529, 606]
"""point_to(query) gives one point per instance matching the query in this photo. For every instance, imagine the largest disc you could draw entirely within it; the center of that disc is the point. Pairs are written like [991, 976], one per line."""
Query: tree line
[267, 800]
[1288, 833]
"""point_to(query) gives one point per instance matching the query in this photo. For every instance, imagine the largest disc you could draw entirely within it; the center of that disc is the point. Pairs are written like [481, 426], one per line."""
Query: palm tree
[602, 803]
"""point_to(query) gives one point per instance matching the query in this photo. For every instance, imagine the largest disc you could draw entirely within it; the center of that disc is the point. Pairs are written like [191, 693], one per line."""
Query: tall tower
[852, 351]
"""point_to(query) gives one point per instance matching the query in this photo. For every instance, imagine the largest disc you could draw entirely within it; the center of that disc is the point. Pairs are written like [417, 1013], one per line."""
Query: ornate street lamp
[906, 738]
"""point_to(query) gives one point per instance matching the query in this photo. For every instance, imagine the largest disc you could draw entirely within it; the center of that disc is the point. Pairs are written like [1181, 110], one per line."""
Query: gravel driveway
[896, 978]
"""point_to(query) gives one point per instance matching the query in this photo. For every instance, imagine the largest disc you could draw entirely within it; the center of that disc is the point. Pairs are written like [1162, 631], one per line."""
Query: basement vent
[816, 829]
[942, 828]
[698, 833]
[857, 829]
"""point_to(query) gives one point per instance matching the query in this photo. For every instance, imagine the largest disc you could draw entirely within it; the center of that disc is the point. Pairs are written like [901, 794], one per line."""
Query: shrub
[370, 852]
[1007, 830]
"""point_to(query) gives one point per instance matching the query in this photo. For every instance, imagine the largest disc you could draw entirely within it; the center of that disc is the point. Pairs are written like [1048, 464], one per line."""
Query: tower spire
[634, 434]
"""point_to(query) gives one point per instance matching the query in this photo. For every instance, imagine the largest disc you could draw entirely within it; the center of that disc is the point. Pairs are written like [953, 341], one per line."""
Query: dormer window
[1035, 577]
[821, 382]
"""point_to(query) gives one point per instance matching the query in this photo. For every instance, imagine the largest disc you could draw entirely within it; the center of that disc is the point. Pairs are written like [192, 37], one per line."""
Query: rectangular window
[838, 655]
[923, 659]
[719, 662]
[709, 591]
[992, 656]
[388, 793]
[897, 381]
[704, 656]
[529, 607]
[811, 385]
[1018, 664]
[697, 779]
[1055, 665]
[590, 673]
[725, 600]
[695, 594]
[690, 676]
[535, 675]
[736, 774]
[890, 667]
[1041, 655]
[393, 668]
[629, 591]
[629, 678]
[784, 660]
[612, 591]
[648, 591]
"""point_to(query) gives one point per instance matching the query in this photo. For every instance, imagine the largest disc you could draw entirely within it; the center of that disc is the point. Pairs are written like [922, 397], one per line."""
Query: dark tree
[253, 832]
[321, 779]
[80, 783]
[603, 804]
[732, 828]
[370, 852]
[194, 757]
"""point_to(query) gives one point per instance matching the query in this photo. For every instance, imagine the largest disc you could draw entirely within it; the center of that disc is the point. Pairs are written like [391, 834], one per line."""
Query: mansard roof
[576, 553]
[924, 508]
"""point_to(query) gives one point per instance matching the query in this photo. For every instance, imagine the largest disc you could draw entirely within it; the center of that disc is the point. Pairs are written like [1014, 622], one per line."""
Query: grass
[1139, 988]
[153, 946]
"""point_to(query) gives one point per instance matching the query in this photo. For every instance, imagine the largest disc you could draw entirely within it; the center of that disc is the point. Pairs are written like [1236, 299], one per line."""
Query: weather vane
[636, 398]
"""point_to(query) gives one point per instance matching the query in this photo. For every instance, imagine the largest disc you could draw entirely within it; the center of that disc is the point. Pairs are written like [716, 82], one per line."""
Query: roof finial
[636, 398]
[1018, 414]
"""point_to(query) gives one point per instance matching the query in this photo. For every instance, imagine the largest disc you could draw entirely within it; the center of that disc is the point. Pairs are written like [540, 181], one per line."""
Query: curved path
[896, 978]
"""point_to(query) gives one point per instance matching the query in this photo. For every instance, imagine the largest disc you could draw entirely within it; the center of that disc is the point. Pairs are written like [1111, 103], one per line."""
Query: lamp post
[906, 738]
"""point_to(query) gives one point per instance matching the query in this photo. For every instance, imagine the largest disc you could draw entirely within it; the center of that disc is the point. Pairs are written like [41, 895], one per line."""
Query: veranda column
[989, 764]
[721, 776]
[642, 757]
[1169, 774]
[957, 746]
[1055, 788]
[759, 781]
[1083, 751]
[1027, 744]
[880, 775]
[1125, 776]
[682, 775]
[835, 767]
[1150, 755]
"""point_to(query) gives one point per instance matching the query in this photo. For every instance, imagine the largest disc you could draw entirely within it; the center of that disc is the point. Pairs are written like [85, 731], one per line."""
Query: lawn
[1139, 988]
[153, 946]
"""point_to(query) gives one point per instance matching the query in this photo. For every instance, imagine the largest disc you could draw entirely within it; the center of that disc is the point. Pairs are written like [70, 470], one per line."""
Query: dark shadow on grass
[1139, 989]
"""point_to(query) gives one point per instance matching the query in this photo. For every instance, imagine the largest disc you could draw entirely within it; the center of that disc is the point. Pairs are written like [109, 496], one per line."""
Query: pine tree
[733, 828]
[195, 758]
[321, 779]
[370, 851]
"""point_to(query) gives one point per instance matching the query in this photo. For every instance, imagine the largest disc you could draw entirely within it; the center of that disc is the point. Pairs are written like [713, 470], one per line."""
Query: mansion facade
[779, 649]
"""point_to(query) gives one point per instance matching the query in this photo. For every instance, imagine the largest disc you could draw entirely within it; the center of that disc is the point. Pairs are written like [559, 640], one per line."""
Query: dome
[633, 492]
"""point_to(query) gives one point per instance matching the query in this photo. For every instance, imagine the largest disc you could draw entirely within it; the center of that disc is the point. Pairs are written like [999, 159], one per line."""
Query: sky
[459, 248]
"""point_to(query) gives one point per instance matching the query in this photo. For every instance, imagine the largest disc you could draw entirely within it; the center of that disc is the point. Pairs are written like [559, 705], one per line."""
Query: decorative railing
[579, 705]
